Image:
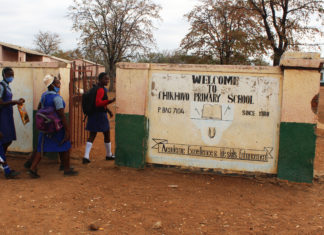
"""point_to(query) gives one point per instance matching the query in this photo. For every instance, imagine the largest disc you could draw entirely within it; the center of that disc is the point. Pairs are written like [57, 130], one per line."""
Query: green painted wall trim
[131, 140]
[296, 152]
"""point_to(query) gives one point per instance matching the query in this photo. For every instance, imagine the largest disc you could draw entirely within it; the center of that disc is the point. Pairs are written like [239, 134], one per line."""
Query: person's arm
[12, 102]
[61, 114]
[6, 103]
[99, 97]
[112, 101]
[59, 106]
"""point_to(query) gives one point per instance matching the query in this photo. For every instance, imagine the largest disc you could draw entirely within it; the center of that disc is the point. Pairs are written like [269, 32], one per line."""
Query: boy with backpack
[94, 105]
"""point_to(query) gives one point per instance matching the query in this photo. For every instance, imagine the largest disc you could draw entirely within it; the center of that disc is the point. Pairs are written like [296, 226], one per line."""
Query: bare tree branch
[116, 29]
[47, 42]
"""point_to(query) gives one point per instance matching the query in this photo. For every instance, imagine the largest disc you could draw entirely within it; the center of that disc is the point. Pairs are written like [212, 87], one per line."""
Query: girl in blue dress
[59, 141]
[7, 125]
[98, 121]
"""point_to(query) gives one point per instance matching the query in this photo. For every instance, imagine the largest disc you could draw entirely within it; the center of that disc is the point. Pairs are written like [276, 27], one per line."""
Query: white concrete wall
[28, 84]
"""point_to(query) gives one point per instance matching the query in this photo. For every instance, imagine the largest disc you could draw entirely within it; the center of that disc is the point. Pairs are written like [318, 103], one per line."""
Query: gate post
[131, 122]
[71, 115]
[301, 83]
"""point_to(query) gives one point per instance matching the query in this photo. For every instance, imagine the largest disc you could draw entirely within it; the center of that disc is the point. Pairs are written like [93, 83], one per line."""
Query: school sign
[232, 119]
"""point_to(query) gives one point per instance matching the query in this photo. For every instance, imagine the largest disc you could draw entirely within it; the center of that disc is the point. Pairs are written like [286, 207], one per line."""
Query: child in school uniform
[98, 121]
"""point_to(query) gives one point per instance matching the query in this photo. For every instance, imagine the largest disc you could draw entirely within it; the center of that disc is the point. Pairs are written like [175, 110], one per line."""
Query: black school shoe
[71, 172]
[62, 168]
[12, 175]
[110, 158]
[33, 174]
[28, 164]
[85, 161]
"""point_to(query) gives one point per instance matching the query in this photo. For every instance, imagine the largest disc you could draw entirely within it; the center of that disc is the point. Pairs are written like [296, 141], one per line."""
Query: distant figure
[9, 174]
[59, 141]
[7, 125]
[98, 121]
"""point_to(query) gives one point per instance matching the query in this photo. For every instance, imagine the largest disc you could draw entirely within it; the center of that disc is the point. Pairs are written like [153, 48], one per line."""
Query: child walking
[98, 121]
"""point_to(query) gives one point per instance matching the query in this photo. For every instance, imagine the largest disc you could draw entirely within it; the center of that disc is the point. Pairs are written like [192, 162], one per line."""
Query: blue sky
[20, 20]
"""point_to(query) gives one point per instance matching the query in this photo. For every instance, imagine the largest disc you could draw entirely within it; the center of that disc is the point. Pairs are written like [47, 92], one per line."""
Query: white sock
[87, 150]
[108, 149]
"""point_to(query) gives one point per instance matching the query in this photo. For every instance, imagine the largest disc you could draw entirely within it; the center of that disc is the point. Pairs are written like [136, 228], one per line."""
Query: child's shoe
[71, 172]
[109, 158]
[85, 161]
[12, 174]
[27, 164]
[33, 174]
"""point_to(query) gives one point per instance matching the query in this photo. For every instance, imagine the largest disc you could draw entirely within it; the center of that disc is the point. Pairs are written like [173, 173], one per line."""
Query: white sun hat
[48, 80]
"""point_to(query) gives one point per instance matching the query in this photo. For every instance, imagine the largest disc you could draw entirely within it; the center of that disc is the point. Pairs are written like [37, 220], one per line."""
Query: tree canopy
[47, 42]
[69, 54]
[115, 30]
[178, 57]
[218, 29]
[236, 31]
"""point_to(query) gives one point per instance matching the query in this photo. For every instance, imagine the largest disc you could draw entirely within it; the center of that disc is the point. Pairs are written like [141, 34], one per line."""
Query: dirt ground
[155, 201]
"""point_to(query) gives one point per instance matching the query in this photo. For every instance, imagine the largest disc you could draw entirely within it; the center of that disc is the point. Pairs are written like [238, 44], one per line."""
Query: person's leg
[29, 161]
[5, 147]
[109, 155]
[9, 174]
[61, 155]
[86, 158]
[66, 162]
[32, 170]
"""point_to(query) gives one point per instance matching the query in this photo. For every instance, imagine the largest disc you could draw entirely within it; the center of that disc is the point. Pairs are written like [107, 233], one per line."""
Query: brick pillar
[301, 83]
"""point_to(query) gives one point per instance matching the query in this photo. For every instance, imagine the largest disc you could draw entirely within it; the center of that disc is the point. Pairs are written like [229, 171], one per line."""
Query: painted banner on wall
[217, 121]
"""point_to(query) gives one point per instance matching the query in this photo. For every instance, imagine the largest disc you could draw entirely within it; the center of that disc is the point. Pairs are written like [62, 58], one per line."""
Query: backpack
[48, 121]
[89, 101]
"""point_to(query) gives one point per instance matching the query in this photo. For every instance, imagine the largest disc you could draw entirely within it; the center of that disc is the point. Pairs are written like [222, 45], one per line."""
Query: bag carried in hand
[23, 114]
[89, 101]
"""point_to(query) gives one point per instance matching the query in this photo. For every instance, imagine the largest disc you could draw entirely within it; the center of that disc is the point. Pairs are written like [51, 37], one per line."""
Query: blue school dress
[53, 142]
[98, 121]
[7, 125]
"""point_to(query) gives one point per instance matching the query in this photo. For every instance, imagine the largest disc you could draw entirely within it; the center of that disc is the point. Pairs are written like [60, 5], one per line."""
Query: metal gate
[82, 78]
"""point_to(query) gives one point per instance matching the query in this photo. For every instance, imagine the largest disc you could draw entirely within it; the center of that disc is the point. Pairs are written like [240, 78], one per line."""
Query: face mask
[56, 89]
[9, 79]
